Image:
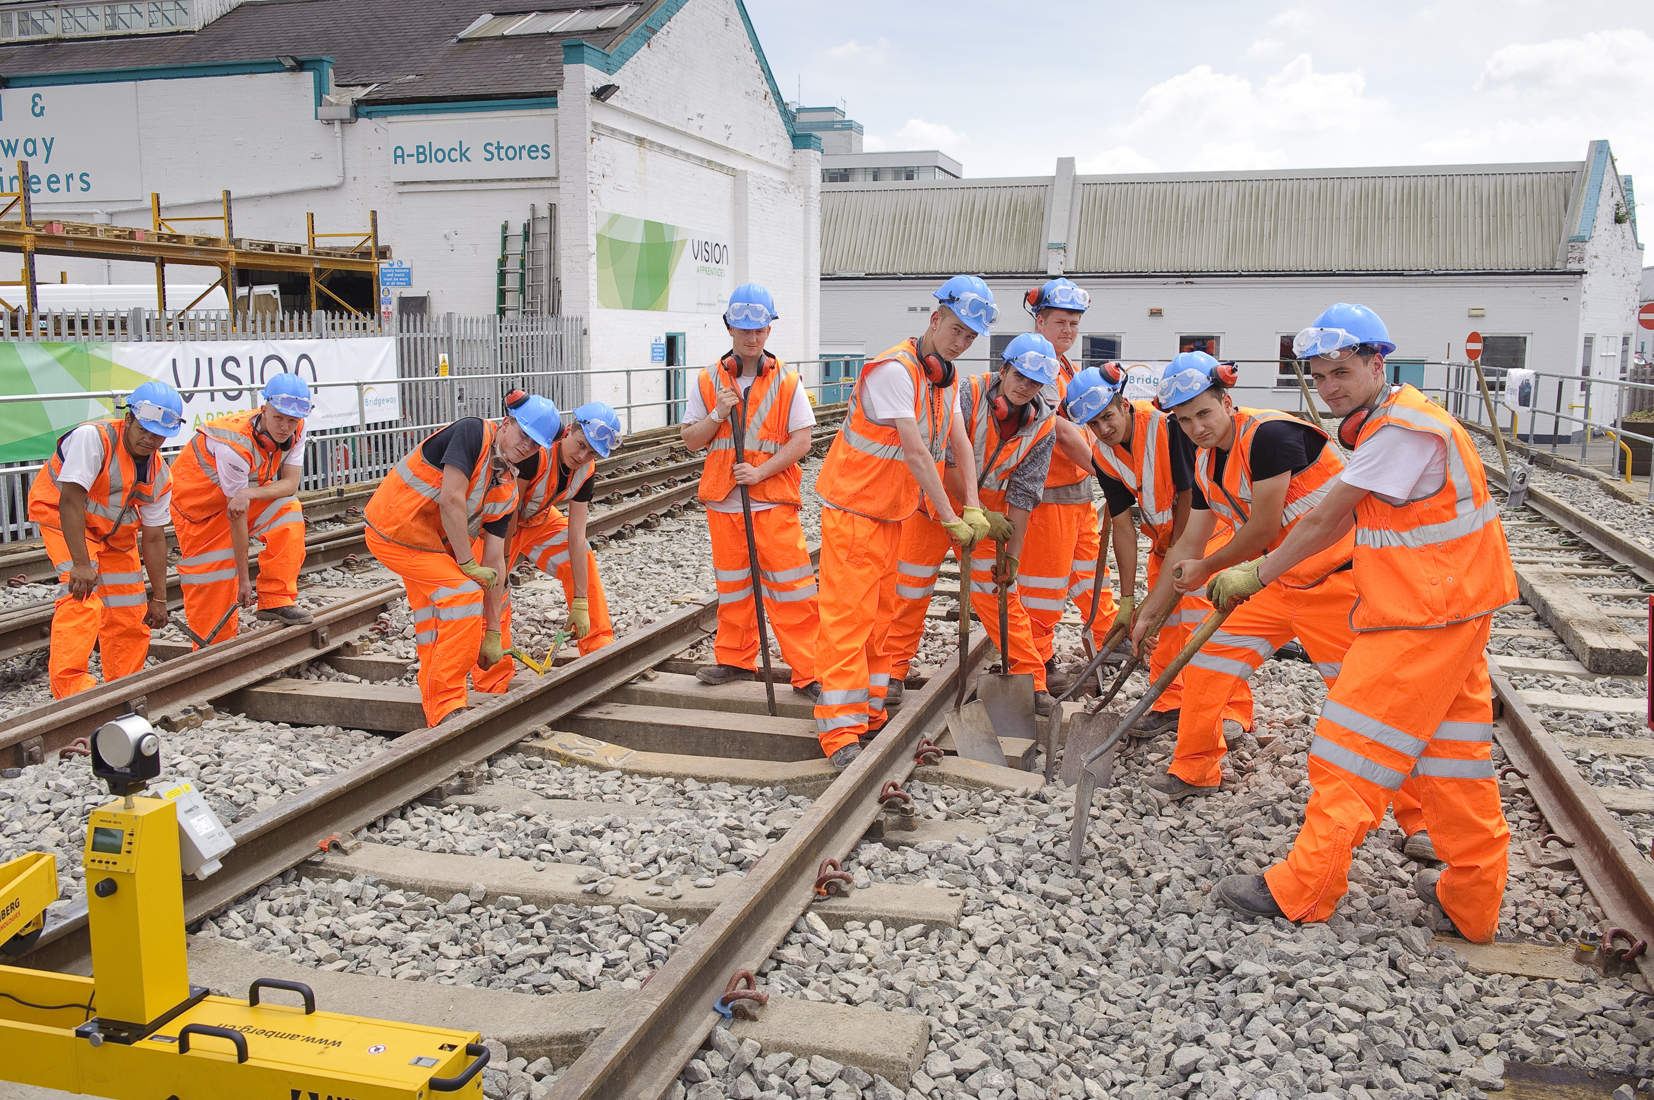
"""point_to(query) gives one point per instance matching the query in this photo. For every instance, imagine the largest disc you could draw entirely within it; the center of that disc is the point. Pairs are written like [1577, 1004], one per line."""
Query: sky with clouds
[1007, 88]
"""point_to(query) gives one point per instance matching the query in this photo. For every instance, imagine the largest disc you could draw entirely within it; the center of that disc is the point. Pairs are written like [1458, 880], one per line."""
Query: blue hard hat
[601, 425]
[971, 301]
[1343, 326]
[1090, 392]
[1189, 374]
[288, 394]
[1033, 357]
[1057, 294]
[751, 306]
[538, 418]
[158, 408]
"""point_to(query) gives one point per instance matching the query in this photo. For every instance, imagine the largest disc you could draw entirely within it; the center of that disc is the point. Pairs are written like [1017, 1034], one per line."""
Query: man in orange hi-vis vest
[1413, 699]
[104, 483]
[239, 479]
[457, 485]
[901, 420]
[751, 383]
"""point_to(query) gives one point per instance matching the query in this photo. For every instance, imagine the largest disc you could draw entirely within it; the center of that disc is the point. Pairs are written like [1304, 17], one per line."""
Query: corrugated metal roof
[1500, 218]
[976, 226]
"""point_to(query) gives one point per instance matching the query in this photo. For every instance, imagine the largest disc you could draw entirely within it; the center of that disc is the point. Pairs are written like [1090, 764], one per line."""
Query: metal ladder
[526, 280]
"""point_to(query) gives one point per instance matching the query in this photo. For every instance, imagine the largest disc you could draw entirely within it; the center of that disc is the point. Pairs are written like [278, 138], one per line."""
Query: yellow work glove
[580, 620]
[978, 519]
[961, 532]
[479, 572]
[1005, 571]
[1126, 607]
[1235, 584]
[491, 651]
[999, 528]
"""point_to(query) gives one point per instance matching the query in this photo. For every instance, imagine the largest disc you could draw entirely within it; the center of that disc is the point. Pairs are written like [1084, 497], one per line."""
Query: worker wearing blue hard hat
[1010, 429]
[237, 481]
[751, 391]
[101, 502]
[903, 416]
[1064, 541]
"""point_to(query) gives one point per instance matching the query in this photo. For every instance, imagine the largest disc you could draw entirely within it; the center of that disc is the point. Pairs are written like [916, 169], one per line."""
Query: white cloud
[916, 133]
[1601, 63]
[1120, 159]
[1266, 47]
[855, 53]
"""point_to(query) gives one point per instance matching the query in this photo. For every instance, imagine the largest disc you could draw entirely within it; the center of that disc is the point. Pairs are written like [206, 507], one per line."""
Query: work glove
[580, 619]
[961, 532]
[479, 572]
[1235, 584]
[1005, 571]
[491, 651]
[1126, 607]
[999, 528]
[978, 519]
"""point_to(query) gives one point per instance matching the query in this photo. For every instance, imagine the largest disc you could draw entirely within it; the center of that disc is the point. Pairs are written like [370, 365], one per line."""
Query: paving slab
[890, 1044]
[956, 771]
[1595, 639]
[698, 732]
[1626, 800]
[1561, 700]
[687, 693]
[808, 778]
[387, 708]
[1640, 747]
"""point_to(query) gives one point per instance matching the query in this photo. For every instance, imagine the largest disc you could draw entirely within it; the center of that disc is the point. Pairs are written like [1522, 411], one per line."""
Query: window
[1585, 360]
[169, 14]
[1285, 376]
[835, 175]
[81, 19]
[997, 343]
[1096, 350]
[1625, 355]
[1206, 343]
[548, 22]
[1501, 354]
[910, 173]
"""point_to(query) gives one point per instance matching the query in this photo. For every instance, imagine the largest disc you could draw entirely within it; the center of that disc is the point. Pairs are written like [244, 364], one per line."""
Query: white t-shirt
[83, 462]
[233, 471]
[801, 415]
[1398, 464]
[887, 392]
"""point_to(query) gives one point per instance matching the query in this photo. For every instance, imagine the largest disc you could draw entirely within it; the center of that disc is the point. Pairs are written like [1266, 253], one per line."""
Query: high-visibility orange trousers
[1184, 620]
[1319, 617]
[1407, 703]
[546, 545]
[1059, 563]
[206, 570]
[791, 604]
[857, 600]
[112, 617]
[447, 619]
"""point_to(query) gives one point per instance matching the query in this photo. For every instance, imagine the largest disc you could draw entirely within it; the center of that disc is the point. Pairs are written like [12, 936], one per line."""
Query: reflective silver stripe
[878, 679]
[203, 559]
[425, 637]
[459, 611]
[1464, 731]
[1025, 580]
[1077, 493]
[912, 570]
[1260, 646]
[1079, 588]
[282, 521]
[875, 705]
[207, 578]
[841, 698]
[63, 566]
[458, 590]
[729, 576]
[734, 597]
[1356, 722]
[840, 721]
[792, 596]
[1356, 764]
[1329, 670]
[983, 587]
[1440, 767]
[908, 593]
[1432, 534]
[421, 614]
[1043, 604]
[124, 599]
[867, 446]
[784, 576]
[1226, 665]
[1085, 566]
[559, 559]
[1303, 504]
[120, 578]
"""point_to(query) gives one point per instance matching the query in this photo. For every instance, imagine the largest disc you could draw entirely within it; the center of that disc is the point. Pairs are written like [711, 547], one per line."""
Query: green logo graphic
[30, 429]
[635, 262]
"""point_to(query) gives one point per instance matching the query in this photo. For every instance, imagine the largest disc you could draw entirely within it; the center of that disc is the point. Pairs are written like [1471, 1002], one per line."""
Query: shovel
[1008, 698]
[203, 643]
[973, 732]
[1088, 778]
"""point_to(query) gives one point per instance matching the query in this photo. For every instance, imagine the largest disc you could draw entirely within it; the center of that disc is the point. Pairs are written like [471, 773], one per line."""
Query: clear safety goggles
[289, 404]
[148, 412]
[1178, 388]
[1314, 342]
[1066, 297]
[748, 314]
[600, 435]
[1035, 367]
[1092, 404]
[973, 309]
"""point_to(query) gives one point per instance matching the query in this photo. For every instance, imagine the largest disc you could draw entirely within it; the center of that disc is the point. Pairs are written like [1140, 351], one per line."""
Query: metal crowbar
[540, 668]
[200, 642]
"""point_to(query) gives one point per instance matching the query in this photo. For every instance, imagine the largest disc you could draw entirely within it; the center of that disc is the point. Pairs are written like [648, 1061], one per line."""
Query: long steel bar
[639, 1057]
[1609, 541]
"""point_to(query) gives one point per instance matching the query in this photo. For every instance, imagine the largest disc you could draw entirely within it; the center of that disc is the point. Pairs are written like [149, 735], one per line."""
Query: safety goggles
[600, 435]
[1066, 297]
[289, 404]
[973, 309]
[162, 417]
[748, 314]
[1178, 388]
[1325, 342]
[1034, 367]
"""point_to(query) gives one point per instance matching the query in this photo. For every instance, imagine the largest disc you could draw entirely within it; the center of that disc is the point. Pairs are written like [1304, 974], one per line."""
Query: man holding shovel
[1413, 698]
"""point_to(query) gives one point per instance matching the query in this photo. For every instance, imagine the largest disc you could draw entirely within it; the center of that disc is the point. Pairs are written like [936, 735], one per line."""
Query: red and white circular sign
[1645, 315]
[1473, 346]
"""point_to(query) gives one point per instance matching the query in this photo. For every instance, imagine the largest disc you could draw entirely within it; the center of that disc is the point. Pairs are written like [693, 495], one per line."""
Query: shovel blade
[1085, 732]
[1050, 737]
[1010, 703]
[1082, 818]
[973, 735]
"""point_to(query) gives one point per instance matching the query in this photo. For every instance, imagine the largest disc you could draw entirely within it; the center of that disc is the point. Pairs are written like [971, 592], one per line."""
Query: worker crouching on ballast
[776, 421]
[101, 486]
[1011, 430]
[238, 479]
[901, 419]
[560, 473]
[458, 485]
[1413, 698]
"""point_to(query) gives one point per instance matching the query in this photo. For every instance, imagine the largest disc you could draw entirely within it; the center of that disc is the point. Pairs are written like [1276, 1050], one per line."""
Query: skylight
[548, 22]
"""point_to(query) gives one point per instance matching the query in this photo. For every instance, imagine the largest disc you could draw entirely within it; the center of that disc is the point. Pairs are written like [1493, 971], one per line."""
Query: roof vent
[548, 22]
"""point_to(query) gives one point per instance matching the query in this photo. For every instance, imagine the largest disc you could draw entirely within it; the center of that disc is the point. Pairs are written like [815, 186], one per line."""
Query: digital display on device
[108, 841]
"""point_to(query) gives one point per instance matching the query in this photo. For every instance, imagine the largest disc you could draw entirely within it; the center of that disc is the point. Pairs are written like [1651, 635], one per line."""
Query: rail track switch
[137, 1028]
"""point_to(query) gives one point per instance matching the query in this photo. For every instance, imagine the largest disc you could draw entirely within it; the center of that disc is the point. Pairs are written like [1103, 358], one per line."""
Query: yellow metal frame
[28, 885]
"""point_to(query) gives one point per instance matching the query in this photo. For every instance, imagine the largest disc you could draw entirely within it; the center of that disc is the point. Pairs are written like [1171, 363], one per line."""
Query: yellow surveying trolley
[137, 1029]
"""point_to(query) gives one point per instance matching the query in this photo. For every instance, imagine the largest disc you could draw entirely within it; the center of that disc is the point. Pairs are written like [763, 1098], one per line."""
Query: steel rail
[1603, 538]
[641, 1054]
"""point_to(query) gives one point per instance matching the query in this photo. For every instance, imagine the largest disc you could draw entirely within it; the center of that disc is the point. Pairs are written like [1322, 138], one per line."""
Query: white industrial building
[645, 145]
[1541, 259]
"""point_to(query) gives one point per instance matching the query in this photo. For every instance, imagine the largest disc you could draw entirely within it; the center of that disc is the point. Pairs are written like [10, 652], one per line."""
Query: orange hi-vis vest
[864, 471]
[1145, 468]
[1066, 481]
[997, 460]
[1231, 500]
[768, 407]
[536, 499]
[196, 492]
[406, 508]
[113, 499]
[1439, 560]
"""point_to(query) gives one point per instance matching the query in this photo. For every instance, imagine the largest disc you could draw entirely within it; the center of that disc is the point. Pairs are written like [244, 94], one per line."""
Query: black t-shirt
[528, 467]
[460, 445]
[1182, 454]
[1278, 446]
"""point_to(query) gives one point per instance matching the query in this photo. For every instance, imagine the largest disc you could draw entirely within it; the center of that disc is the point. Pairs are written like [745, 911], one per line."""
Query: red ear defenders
[1226, 374]
[284, 445]
[1032, 299]
[938, 370]
[1113, 373]
[1011, 418]
[730, 361]
[1349, 429]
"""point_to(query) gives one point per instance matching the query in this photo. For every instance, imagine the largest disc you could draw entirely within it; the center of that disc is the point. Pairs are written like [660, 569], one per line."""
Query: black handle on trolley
[281, 983]
[235, 1037]
[454, 1084]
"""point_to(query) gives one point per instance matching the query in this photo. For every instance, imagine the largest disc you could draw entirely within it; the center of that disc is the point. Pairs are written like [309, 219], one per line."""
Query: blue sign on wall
[395, 273]
[657, 351]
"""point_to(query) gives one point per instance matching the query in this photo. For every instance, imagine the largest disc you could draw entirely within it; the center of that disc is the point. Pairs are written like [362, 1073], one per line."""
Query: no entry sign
[1645, 315]
[1473, 346]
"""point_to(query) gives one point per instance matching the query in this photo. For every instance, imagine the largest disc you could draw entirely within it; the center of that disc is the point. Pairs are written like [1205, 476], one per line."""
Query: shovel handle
[964, 620]
[1004, 607]
[1164, 680]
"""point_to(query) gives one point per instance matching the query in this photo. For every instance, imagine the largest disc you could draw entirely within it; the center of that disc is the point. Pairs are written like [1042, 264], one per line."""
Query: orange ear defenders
[1226, 374]
[1113, 373]
[1031, 299]
[1349, 429]
[939, 371]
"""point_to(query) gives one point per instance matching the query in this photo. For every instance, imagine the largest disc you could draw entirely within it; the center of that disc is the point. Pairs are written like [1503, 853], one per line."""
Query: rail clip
[833, 879]
[927, 753]
[742, 988]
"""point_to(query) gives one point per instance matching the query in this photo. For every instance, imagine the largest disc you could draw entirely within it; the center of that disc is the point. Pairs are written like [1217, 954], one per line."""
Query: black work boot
[811, 689]
[846, 756]
[1156, 722]
[287, 616]
[1424, 885]
[722, 674]
[1057, 680]
[1176, 788]
[1247, 895]
[894, 691]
